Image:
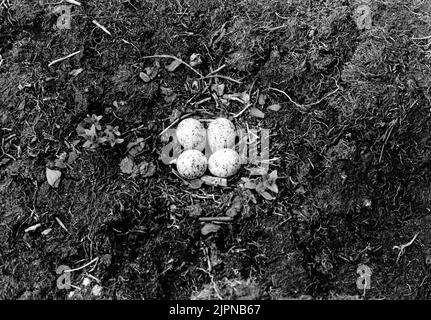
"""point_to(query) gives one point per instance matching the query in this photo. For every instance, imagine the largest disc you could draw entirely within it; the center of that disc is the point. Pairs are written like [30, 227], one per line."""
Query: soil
[351, 145]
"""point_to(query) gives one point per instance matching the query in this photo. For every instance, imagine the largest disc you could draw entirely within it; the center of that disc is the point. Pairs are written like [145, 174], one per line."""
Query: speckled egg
[224, 163]
[191, 134]
[221, 134]
[191, 164]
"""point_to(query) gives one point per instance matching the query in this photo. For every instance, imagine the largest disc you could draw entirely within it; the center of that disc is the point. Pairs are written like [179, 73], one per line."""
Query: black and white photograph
[215, 155]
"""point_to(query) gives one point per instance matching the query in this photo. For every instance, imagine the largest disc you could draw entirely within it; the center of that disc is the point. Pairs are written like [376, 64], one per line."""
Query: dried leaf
[273, 175]
[262, 99]
[194, 210]
[257, 171]
[209, 228]
[59, 163]
[46, 231]
[274, 107]
[266, 195]
[255, 112]
[32, 228]
[97, 290]
[195, 184]
[171, 98]
[173, 65]
[218, 89]
[21, 105]
[272, 187]
[249, 184]
[362, 17]
[127, 165]
[235, 207]
[242, 97]
[53, 177]
[154, 70]
[75, 72]
[145, 77]
[147, 169]
[195, 59]
[214, 181]
[87, 144]
[73, 155]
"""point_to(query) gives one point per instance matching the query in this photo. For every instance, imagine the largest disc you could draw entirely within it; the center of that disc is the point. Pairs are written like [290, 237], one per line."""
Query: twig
[102, 27]
[73, 2]
[303, 107]
[274, 28]
[422, 38]
[84, 266]
[219, 76]
[221, 219]
[243, 110]
[173, 57]
[61, 224]
[216, 70]
[403, 247]
[248, 104]
[64, 58]
[387, 134]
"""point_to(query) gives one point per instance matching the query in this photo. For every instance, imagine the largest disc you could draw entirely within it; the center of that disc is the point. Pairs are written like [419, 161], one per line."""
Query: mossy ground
[353, 150]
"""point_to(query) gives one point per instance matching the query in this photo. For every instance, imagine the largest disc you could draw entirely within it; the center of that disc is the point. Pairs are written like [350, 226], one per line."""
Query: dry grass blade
[102, 27]
[64, 58]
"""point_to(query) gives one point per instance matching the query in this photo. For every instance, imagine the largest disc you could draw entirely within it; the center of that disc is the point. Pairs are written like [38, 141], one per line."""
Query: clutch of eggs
[191, 134]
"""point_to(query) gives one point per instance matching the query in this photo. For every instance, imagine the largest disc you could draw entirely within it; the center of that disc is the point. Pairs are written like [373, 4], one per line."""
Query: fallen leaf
[249, 184]
[145, 77]
[97, 290]
[209, 228]
[274, 107]
[153, 71]
[126, 165]
[214, 181]
[73, 155]
[175, 115]
[194, 210]
[235, 207]
[195, 184]
[53, 177]
[266, 195]
[87, 144]
[262, 99]
[257, 171]
[75, 72]
[147, 169]
[171, 98]
[362, 17]
[255, 112]
[32, 228]
[46, 231]
[173, 65]
[218, 89]
[4, 161]
[242, 97]
[195, 59]
[59, 162]
[21, 105]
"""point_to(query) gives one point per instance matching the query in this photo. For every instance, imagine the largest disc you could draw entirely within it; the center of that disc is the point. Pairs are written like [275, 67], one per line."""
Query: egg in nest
[224, 163]
[191, 134]
[221, 134]
[191, 164]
